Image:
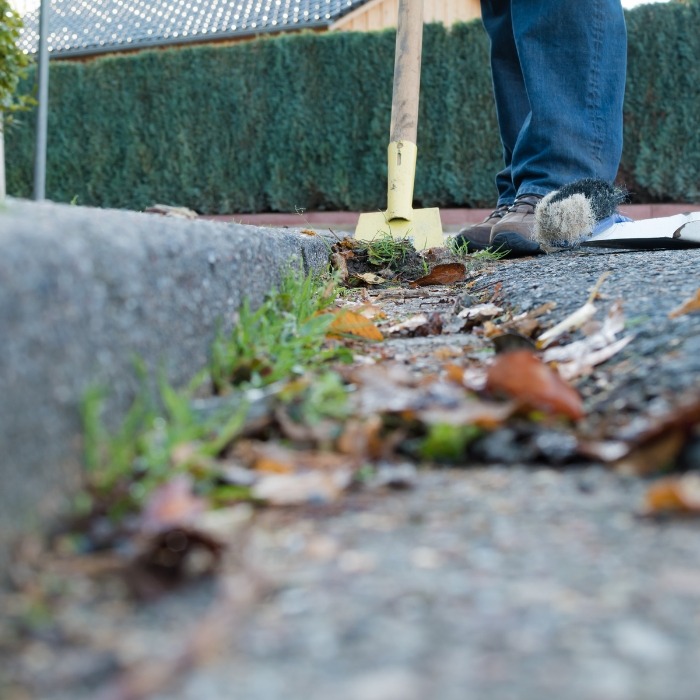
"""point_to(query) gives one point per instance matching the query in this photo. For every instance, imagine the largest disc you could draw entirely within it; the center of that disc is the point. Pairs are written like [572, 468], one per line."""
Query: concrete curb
[85, 291]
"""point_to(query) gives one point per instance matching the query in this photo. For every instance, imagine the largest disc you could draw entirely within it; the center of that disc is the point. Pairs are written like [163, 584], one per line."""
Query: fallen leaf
[361, 438]
[657, 442]
[350, 323]
[479, 313]
[409, 324]
[507, 342]
[306, 487]
[578, 359]
[448, 273]
[369, 278]
[371, 311]
[652, 456]
[525, 324]
[473, 378]
[483, 414]
[575, 320]
[570, 323]
[167, 210]
[171, 558]
[523, 376]
[603, 450]
[680, 494]
[687, 307]
[448, 352]
[273, 458]
[340, 263]
[171, 505]
[394, 476]
[421, 325]
[583, 365]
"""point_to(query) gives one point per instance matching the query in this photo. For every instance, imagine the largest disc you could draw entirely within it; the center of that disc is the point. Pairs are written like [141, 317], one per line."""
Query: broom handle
[404, 103]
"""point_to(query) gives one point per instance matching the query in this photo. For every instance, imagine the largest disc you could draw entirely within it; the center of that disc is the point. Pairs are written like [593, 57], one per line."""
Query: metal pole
[43, 99]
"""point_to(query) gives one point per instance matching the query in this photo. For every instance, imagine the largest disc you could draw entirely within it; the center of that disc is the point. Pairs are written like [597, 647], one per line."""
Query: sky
[26, 5]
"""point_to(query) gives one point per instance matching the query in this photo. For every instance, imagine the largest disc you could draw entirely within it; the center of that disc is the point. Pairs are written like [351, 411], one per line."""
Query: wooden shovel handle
[404, 103]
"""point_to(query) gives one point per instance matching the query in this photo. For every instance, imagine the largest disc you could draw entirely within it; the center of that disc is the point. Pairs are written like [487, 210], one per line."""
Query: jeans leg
[573, 57]
[512, 104]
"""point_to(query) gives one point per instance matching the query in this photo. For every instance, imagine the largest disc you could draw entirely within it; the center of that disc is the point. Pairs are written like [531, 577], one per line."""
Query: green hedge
[302, 122]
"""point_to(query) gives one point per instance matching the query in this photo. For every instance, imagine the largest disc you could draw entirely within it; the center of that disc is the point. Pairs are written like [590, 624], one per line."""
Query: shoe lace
[525, 203]
[499, 212]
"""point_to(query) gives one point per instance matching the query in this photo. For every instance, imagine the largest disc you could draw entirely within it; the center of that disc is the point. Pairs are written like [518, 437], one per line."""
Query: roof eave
[179, 41]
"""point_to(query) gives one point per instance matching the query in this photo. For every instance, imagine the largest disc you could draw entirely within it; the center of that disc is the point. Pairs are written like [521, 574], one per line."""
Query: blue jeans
[558, 70]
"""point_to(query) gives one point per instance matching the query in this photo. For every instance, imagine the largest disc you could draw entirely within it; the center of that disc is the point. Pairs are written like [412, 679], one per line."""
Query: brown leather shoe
[478, 236]
[514, 233]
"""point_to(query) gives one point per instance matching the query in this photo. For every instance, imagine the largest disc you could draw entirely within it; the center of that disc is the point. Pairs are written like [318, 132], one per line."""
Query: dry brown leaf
[307, 487]
[680, 494]
[657, 441]
[419, 325]
[525, 324]
[509, 341]
[583, 365]
[167, 210]
[274, 464]
[371, 311]
[454, 373]
[339, 263]
[473, 378]
[172, 505]
[687, 307]
[524, 377]
[570, 323]
[575, 320]
[350, 323]
[479, 313]
[603, 450]
[448, 352]
[653, 456]
[171, 557]
[578, 359]
[448, 273]
[361, 439]
[369, 278]
[273, 458]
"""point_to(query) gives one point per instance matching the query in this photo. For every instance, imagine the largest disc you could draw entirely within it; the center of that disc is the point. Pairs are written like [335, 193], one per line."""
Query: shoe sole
[472, 246]
[515, 245]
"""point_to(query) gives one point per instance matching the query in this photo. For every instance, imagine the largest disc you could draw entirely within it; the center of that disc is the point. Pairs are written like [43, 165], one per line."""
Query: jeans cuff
[541, 191]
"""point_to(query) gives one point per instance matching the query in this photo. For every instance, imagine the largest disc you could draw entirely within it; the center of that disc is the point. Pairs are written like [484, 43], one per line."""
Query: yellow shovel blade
[423, 229]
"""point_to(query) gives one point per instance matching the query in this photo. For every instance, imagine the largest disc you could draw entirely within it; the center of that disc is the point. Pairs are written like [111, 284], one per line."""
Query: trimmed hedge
[302, 122]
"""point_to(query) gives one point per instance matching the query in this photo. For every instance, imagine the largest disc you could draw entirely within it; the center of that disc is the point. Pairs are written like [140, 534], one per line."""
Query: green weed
[282, 338]
[448, 443]
[387, 251]
[461, 250]
[489, 254]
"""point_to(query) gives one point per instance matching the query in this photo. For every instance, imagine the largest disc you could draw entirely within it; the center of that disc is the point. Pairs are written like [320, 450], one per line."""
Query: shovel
[401, 220]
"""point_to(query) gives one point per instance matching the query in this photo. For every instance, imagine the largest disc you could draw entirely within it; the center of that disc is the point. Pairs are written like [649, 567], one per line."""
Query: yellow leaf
[353, 324]
[687, 307]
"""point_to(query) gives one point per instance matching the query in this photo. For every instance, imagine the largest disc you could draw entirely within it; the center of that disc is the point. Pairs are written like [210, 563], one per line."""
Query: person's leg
[512, 104]
[512, 108]
[573, 57]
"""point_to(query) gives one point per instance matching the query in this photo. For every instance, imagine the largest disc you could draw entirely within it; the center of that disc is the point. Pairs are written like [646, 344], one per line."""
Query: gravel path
[497, 583]
[500, 582]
